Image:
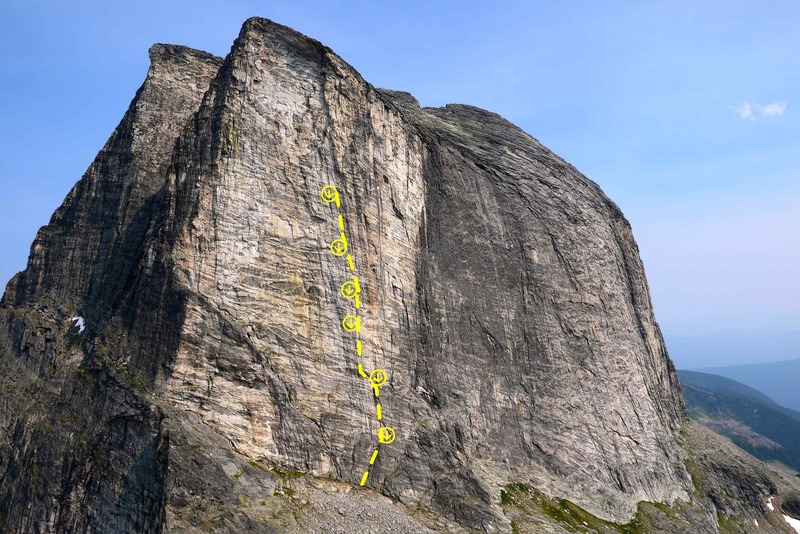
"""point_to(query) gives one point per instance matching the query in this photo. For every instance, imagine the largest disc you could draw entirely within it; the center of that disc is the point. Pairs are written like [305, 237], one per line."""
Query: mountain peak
[178, 54]
[503, 347]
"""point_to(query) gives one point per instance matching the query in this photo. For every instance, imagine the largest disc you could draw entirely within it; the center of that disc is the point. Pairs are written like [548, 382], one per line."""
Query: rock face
[502, 293]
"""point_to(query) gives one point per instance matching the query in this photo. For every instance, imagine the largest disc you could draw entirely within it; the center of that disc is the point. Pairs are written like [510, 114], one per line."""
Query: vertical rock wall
[503, 295]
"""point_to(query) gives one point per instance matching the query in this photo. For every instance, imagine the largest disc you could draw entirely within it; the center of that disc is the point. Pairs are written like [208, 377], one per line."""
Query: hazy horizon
[777, 380]
[723, 349]
[682, 112]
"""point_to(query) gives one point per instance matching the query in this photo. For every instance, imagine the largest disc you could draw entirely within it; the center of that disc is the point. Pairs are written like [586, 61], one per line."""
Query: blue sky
[685, 113]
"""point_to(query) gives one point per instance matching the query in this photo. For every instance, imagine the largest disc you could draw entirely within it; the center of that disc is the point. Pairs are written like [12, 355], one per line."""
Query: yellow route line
[352, 323]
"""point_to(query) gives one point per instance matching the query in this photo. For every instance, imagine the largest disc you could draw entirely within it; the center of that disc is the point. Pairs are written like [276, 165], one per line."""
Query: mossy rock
[568, 514]
[730, 524]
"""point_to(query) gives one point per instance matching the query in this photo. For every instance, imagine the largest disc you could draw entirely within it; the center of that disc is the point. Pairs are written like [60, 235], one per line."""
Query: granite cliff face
[212, 386]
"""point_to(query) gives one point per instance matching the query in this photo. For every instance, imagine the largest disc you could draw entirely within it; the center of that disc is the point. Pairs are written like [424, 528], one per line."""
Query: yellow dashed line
[352, 323]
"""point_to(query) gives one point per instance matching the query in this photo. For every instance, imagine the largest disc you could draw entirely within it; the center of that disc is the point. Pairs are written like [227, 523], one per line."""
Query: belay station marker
[351, 324]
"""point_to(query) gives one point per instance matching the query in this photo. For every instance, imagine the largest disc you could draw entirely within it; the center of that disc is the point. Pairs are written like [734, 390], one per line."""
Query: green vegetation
[135, 384]
[729, 524]
[568, 514]
[288, 473]
[743, 415]
[257, 465]
[505, 497]
[698, 478]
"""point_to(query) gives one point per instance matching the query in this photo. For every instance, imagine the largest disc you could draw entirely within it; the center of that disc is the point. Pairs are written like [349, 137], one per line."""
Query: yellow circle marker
[378, 377]
[351, 323]
[339, 247]
[350, 289]
[330, 194]
[386, 435]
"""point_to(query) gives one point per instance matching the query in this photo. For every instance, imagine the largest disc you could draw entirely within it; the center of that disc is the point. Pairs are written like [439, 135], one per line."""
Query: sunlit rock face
[502, 293]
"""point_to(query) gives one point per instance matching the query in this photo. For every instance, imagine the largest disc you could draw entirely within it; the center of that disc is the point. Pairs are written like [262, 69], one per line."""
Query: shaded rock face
[82, 448]
[502, 292]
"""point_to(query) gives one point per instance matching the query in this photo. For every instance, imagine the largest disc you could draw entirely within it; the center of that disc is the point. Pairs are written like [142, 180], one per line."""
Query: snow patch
[755, 521]
[794, 523]
[791, 521]
[79, 323]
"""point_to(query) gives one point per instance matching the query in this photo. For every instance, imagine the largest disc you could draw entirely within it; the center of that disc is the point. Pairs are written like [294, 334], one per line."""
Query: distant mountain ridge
[750, 419]
[723, 385]
[720, 349]
[778, 380]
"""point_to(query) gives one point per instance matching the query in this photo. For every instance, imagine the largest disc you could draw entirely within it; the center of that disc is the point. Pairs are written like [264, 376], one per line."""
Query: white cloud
[750, 110]
[770, 110]
[745, 110]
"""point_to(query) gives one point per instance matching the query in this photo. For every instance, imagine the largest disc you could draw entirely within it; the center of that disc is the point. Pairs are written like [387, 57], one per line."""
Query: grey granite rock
[213, 387]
